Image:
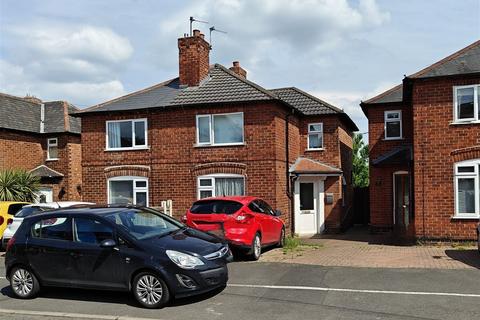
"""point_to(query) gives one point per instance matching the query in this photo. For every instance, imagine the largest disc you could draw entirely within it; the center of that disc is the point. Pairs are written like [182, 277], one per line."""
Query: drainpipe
[288, 181]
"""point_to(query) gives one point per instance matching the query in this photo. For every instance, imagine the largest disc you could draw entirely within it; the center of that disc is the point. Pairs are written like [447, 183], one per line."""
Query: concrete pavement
[280, 291]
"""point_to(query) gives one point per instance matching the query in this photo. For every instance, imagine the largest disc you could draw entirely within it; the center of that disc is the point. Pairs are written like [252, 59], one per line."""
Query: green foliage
[18, 185]
[360, 162]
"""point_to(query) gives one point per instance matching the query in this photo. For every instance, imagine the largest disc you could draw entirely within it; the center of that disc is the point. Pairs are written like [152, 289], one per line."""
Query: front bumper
[205, 281]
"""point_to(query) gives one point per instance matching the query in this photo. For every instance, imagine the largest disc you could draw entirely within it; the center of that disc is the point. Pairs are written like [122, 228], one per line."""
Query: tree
[18, 185]
[360, 162]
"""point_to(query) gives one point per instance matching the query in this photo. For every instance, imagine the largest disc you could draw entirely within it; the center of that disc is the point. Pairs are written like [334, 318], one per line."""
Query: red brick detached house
[211, 132]
[44, 138]
[424, 140]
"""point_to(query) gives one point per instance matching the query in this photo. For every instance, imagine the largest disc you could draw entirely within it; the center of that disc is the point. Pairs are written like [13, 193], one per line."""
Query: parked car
[7, 211]
[117, 248]
[247, 223]
[14, 222]
[478, 237]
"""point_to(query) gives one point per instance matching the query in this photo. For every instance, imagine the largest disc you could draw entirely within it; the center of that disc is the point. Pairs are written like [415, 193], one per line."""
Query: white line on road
[69, 315]
[325, 289]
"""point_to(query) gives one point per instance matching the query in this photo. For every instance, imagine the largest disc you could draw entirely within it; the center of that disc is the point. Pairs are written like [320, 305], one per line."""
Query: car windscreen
[215, 206]
[143, 223]
[28, 211]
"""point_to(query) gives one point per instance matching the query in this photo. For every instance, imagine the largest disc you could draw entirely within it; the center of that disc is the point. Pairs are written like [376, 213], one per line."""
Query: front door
[45, 194]
[401, 190]
[309, 216]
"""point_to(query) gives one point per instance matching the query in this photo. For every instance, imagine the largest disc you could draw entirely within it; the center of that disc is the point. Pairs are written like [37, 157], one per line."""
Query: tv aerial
[213, 29]
[192, 20]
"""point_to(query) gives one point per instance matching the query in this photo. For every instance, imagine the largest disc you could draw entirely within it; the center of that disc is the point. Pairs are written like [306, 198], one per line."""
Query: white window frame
[476, 107]
[386, 120]
[52, 144]
[134, 146]
[471, 175]
[212, 178]
[211, 123]
[136, 189]
[315, 132]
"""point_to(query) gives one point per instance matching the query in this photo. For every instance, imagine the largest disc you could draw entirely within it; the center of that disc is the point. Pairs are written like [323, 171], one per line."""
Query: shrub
[18, 185]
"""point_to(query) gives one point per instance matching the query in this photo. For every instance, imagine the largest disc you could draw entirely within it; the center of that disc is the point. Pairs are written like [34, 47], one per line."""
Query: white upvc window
[393, 124]
[220, 129]
[315, 136]
[219, 185]
[126, 134]
[128, 190]
[52, 149]
[466, 103]
[467, 189]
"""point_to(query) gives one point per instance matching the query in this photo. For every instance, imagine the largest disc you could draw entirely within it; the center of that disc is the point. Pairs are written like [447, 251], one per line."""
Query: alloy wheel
[149, 289]
[257, 247]
[22, 282]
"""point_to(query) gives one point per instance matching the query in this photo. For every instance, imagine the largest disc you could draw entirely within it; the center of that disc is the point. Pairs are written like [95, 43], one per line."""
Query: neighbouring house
[211, 132]
[42, 137]
[424, 137]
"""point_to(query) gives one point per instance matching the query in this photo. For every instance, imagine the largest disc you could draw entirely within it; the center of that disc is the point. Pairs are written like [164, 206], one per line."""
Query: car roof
[242, 199]
[86, 210]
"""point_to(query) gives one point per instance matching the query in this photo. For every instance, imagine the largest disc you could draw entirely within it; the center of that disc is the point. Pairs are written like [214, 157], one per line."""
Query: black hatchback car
[115, 248]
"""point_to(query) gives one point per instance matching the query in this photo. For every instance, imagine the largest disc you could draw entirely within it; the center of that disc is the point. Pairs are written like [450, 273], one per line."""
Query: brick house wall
[438, 144]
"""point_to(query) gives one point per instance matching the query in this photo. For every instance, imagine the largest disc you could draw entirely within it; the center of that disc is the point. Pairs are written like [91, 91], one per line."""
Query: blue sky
[342, 51]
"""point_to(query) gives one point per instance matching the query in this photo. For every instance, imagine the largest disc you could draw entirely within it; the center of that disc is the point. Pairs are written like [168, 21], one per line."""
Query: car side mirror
[278, 213]
[108, 243]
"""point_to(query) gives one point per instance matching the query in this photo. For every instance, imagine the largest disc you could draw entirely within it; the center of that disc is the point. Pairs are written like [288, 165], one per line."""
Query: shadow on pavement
[468, 257]
[115, 297]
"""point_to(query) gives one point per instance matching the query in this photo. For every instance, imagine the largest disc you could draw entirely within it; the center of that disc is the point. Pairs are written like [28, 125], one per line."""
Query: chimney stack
[238, 70]
[194, 59]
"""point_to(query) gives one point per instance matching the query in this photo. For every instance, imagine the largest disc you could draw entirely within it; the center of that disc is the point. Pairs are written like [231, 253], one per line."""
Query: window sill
[52, 159]
[393, 139]
[127, 149]
[317, 149]
[219, 145]
[458, 217]
[460, 123]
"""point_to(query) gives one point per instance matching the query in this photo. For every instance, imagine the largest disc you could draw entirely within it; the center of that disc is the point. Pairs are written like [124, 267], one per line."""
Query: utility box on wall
[328, 198]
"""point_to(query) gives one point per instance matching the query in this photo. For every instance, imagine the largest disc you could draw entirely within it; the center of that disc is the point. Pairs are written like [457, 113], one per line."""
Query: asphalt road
[279, 291]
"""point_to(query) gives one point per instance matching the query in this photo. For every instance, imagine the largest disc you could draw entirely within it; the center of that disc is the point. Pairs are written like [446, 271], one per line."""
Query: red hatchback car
[247, 223]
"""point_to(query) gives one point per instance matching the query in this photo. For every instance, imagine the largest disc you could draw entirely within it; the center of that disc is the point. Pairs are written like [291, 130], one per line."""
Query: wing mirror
[108, 243]
[278, 213]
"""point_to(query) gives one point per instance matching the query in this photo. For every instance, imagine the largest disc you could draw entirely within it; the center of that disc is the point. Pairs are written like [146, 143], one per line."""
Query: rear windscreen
[216, 206]
[27, 211]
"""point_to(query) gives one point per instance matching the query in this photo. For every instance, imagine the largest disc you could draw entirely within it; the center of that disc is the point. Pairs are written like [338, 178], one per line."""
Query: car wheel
[150, 290]
[281, 241]
[256, 249]
[23, 282]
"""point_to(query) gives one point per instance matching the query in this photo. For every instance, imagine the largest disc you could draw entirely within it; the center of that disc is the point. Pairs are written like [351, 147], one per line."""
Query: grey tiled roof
[304, 102]
[394, 94]
[399, 155]
[464, 61]
[45, 172]
[20, 114]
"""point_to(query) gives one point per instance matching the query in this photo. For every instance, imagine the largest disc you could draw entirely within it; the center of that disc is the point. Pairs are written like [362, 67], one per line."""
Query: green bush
[18, 185]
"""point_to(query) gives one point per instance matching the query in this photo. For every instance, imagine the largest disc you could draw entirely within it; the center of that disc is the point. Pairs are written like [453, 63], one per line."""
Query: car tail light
[9, 221]
[10, 243]
[243, 217]
[1, 220]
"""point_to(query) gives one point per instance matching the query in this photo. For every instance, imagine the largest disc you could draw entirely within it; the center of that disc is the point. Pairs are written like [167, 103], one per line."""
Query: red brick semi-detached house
[42, 137]
[211, 132]
[424, 137]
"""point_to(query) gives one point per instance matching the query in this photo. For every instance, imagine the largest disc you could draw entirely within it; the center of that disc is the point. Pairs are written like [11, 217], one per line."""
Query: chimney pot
[196, 33]
[202, 36]
[236, 64]
[239, 70]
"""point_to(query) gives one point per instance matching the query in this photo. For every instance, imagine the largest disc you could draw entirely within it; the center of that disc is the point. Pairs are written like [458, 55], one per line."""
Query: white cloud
[81, 64]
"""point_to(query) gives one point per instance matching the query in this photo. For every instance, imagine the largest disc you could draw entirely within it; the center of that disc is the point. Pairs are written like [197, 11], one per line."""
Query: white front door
[309, 206]
[45, 194]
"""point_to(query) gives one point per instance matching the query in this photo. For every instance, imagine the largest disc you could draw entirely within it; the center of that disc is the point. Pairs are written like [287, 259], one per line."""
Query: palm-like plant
[18, 185]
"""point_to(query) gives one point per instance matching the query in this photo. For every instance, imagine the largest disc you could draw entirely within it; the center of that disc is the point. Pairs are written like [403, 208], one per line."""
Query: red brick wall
[435, 140]
[20, 150]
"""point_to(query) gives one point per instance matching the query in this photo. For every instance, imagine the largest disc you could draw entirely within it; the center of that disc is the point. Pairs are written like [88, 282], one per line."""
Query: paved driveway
[357, 248]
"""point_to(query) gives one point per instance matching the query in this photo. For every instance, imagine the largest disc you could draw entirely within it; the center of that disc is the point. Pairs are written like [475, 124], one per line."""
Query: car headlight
[184, 260]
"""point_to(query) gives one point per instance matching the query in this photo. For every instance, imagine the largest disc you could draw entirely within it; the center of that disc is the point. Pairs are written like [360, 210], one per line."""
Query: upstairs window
[52, 149]
[467, 101]
[315, 136]
[127, 134]
[393, 125]
[467, 189]
[220, 129]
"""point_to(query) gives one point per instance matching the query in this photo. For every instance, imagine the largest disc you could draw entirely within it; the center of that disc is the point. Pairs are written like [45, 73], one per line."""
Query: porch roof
[309, 166]
[43, 171]
[399, 155]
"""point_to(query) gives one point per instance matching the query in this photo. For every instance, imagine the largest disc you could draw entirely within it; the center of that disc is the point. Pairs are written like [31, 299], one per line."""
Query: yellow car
[7, 211]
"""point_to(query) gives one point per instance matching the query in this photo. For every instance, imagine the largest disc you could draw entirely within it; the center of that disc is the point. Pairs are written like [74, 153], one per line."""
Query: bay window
[220, 129]
[127, 134]
[466, 104]
[467, 189]
[393, 124]
[219, 185]
[128, 190]
[315, 136]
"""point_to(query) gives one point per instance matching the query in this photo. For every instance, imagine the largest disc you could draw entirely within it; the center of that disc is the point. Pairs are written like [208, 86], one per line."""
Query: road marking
[70, 315]
[3, 278]
[325, 289]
